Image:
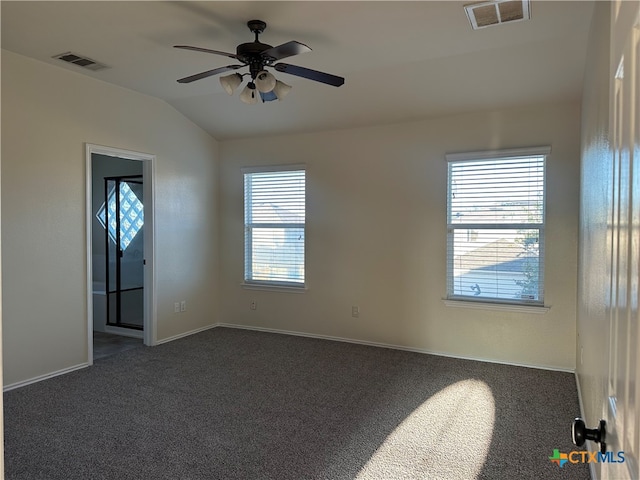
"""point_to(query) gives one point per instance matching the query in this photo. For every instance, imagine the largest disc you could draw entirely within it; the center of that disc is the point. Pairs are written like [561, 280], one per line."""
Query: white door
[623, 386]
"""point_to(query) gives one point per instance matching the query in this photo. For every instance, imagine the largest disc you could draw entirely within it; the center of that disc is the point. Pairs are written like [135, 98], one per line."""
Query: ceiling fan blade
[285, 50]
[206, 50]
[309, 74]
[209, 73]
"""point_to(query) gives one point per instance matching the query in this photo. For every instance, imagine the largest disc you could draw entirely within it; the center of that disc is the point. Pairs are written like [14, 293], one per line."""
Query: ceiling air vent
[80, 61]
[488, 14]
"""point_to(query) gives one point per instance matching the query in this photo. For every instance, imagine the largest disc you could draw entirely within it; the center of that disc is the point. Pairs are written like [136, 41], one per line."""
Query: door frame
[148, 176]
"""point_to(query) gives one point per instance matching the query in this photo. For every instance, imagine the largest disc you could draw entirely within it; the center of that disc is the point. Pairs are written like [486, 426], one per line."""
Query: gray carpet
[236, 404]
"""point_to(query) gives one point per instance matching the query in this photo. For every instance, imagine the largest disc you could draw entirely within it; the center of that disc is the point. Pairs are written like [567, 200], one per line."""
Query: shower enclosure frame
[129, 179]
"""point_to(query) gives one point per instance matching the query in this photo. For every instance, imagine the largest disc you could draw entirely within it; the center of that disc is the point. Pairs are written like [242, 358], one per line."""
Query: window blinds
[274, 227]
[495, 217]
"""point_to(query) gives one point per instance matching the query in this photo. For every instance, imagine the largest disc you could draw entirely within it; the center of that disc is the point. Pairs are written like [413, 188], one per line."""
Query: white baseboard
[394, 347]
[579, 395]
[46, 376]
[186, 334]
[308, 335]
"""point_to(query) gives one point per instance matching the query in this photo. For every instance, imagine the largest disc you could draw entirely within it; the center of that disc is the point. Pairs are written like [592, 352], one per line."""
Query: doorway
[120, 280]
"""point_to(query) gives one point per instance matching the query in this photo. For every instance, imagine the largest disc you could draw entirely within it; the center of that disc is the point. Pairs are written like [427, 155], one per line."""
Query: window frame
[248, 280]
[515, 304]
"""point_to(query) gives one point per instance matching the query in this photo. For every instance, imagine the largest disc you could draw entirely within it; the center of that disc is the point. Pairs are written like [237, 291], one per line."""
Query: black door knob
[580, 433]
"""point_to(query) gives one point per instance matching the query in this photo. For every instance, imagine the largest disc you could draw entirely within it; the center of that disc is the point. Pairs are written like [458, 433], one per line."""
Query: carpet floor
[238, 404]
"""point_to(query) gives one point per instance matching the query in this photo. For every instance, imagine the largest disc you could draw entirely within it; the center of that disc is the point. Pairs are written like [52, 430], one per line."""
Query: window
[495, 226]
[274, 225]
[131, 215]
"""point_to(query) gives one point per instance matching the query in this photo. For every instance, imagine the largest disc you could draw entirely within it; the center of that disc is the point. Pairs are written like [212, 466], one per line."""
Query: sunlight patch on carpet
[447, 437]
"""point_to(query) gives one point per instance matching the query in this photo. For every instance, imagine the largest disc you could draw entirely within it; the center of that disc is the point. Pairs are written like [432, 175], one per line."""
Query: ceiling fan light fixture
[265, 82]
[231, 82]
[249, 95]
[258, 56]
[281, 89]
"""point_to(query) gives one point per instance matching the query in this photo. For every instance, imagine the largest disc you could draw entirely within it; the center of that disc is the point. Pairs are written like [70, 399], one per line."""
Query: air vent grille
[488, 14]
[80, 61]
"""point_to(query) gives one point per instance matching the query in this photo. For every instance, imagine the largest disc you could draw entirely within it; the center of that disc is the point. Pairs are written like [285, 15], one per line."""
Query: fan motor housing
[251, 54]
[246, 51]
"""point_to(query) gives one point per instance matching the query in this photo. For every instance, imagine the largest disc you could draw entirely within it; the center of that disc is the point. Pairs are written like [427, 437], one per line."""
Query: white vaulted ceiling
[401, 60]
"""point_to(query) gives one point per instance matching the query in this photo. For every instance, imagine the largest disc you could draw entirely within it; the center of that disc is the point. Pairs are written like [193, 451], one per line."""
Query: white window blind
[274, 227]
[495, 217]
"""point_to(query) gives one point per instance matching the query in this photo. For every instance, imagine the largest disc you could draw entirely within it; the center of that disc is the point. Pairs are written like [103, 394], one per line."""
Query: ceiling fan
[258, 56]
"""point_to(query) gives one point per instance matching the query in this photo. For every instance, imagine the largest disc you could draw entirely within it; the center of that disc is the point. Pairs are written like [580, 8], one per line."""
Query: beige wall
[48, 114]
[375, 226]
[376, 236]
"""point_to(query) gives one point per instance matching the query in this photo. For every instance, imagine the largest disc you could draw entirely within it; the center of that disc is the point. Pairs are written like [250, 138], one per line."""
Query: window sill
[273, 288]
[536, 309]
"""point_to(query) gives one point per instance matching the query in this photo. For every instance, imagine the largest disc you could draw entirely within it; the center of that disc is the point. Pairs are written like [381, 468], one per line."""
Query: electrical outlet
[355, 311]
[176, 307]
[253, 305]
[183, 306]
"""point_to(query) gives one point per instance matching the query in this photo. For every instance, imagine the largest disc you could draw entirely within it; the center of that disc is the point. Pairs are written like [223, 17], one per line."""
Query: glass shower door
[124, 237]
